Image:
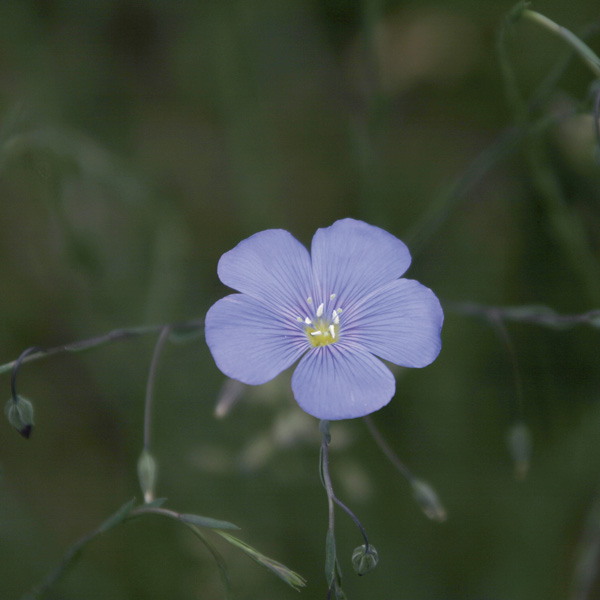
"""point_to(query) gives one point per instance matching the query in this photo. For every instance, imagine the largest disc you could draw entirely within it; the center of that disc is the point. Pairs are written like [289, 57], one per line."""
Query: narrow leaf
[117, 517]
[292, 578]
[201, 521]
[218, 559]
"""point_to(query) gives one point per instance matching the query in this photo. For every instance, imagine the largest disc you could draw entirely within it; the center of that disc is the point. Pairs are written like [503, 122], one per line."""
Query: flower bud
[364, 560]
[147, 473]
[428, 500]
[20, 415]
[520, 445]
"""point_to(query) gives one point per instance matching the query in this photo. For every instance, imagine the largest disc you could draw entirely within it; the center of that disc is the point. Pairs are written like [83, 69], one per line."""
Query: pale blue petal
[249, 342]
[352, 258]
[334, 382]
[400, 322]
[271, 266]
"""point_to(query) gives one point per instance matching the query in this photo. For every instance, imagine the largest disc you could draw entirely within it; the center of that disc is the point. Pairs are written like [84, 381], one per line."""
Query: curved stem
[162, 338]
[16, 365]
[385, 448]
[112, 336]
[332, 498]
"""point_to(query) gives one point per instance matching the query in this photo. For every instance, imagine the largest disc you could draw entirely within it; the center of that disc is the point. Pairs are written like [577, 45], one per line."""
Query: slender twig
[331, 494]
[535, 315]
[15, 369]
[498, 324]
[162, 338]
[330, 505]
[112, 336]
[385, 448]
[583, 50]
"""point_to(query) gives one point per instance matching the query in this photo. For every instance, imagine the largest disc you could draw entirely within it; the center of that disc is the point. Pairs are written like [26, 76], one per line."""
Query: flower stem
[162, 338]
[535, 315]
[385, 448]
[584, 51]
[112, 336]
[15, 368]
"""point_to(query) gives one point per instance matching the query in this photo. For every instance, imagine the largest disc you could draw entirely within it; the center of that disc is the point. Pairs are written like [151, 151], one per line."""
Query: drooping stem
[162, 338]
[500, 328]
[16, 365]
[585, 52]
[385, 448]
[330, 492]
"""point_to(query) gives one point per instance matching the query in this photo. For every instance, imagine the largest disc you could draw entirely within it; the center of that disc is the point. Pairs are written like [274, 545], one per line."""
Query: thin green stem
[535, 315]
[15, 369]
[502, 333]
[583, 50]
[162, 338]
[112, 336]
[567, 228]
[331, 494]
[385, 448]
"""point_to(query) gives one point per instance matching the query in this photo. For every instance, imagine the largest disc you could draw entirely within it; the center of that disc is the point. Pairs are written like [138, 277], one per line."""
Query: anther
[332, 331]
[316, 333]
[320, 310]
[307, 321]
[332, 296]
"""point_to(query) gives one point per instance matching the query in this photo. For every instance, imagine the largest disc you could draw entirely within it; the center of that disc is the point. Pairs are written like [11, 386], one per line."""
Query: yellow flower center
[322, 330]
[322, 333]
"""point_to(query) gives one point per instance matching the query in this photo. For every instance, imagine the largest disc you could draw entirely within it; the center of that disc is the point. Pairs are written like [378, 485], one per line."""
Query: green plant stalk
[567, 228]
[534, 314]
[178, 329]
[583, 50]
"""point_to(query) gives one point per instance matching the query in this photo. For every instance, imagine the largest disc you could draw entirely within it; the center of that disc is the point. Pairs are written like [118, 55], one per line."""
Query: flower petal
[352, 258]
[271, 266]
[334, 382]
[400, 322]
[250, 343]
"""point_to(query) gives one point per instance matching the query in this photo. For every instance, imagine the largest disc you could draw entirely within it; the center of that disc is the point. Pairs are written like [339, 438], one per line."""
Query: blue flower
[336, 309]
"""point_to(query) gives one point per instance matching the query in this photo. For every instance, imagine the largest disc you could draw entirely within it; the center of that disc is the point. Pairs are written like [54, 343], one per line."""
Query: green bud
[363, 560]
[147, 474]
[520, 446]
[428, 500]
[20, 415]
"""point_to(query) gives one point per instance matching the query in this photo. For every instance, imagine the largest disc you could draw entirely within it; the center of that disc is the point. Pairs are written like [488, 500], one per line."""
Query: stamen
[336, 319]
[316, 332]
[307, 321]
[332, 331]
[320, 310]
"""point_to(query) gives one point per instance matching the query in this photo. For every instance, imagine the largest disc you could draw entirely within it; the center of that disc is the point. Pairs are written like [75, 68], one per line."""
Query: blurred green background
[141, 140]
